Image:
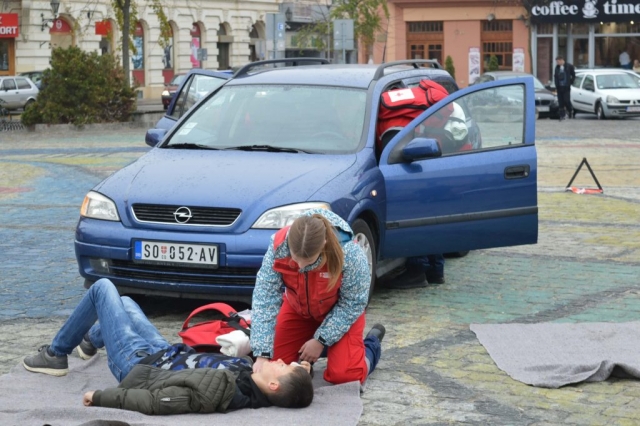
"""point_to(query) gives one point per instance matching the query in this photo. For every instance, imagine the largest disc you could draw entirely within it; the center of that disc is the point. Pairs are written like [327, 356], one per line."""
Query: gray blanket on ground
[36, 399]
[552, 355]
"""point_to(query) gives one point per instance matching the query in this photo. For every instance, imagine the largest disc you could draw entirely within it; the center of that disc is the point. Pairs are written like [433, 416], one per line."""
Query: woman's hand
[311, 351]
[88, 399]
[257, 366]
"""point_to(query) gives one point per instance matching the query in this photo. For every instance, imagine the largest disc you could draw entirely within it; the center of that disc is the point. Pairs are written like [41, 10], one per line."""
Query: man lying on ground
[157, 377]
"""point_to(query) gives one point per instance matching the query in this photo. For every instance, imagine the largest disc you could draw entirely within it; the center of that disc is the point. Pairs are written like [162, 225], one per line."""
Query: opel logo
[182, 215]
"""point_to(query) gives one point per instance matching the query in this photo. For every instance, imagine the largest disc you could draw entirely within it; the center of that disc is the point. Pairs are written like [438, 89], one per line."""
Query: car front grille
[207, 216]
[543, 102]
[181, 274]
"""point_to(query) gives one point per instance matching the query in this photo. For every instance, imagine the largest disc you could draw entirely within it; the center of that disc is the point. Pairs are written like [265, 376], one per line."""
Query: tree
[367, 22]
[448, 65]
[81, 88]
[494, 65]
[127, 17]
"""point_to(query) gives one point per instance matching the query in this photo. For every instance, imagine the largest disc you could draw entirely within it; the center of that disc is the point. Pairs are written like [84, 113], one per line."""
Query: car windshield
[616, 81]
[316, 119]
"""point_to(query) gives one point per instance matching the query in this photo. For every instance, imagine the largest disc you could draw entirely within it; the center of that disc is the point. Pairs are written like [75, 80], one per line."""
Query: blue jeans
[372, 351]
[434, 262]
[123, 329]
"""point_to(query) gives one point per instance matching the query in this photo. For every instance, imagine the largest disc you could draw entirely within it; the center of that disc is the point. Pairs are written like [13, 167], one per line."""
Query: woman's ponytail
[332, 252]
[307, 237]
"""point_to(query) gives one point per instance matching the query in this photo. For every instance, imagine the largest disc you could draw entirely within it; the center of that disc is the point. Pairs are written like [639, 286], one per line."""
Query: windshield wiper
[268, 148]
[187, 145]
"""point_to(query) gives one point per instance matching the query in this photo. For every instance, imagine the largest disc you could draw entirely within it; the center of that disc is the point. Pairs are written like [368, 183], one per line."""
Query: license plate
[633, 109]
[543, 109]
[159, 252]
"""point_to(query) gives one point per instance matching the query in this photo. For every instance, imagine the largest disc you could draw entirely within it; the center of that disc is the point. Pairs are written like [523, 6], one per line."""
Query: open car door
[462, 175]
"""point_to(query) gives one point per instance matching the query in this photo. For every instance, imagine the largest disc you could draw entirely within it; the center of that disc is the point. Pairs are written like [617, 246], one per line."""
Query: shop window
[435, 52]
[417, 51]
[425, 27]
[4, 54]
[545, 28]
[501, 50]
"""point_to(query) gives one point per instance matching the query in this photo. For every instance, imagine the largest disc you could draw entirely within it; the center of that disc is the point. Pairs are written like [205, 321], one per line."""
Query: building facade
[587, 33]
[212, 35]
[469, 31]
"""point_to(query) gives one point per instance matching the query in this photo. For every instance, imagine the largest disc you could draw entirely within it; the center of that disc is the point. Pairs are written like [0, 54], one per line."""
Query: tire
[364, 238]
[600, 112]
[457, 254]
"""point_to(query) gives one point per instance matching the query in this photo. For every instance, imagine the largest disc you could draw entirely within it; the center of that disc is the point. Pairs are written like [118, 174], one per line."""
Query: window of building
[497, 26]
[435, 52]
[503, 51]
[425, 27]
[417, 51]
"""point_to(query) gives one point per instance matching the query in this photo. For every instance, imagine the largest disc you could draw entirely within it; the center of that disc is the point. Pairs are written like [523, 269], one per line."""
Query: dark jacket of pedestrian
[564, 75]
[154, 391]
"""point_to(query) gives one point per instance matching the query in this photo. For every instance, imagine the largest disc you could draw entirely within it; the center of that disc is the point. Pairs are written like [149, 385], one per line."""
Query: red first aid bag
[202, 336]
[401, 106]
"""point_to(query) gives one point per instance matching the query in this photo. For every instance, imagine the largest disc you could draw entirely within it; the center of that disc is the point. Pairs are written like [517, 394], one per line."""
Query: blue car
[194, 216]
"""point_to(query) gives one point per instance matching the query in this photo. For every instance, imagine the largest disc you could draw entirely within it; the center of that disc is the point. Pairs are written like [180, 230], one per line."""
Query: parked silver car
[17, 92]
[606, 93]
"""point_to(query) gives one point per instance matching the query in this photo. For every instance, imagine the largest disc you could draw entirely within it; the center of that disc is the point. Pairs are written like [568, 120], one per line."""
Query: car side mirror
[421, 148]
[154, 136]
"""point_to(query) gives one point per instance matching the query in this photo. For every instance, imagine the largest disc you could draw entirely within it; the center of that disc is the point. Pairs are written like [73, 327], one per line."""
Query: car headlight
[612, 100]
[282, 216]
[97, 206]
[165, 93]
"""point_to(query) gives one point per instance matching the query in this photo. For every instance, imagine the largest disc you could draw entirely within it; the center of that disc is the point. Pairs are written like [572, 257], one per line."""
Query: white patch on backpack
[401, 95]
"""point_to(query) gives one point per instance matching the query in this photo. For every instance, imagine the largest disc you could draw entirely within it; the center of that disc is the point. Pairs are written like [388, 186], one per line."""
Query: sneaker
[377, 331]
[85, 349]
[434, 278]
[44, 363]
[412, 277]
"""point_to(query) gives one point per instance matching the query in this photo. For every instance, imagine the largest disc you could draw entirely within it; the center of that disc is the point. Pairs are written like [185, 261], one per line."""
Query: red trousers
[345, 358]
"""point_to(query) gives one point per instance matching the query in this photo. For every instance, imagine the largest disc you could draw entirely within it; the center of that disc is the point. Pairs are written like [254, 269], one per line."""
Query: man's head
[287, 386]
[560, 60]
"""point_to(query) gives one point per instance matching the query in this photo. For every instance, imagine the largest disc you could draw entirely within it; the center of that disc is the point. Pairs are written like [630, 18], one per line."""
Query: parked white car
[17, 92]
[607, 93]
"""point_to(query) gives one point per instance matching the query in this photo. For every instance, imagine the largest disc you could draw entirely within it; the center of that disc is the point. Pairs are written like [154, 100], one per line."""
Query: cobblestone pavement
[434, 371]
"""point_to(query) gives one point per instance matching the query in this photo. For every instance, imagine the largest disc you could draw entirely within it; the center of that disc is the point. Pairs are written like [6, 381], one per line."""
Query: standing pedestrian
[636, 66]
[564, 75]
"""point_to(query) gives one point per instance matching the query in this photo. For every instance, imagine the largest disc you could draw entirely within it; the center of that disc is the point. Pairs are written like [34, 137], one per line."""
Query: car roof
[351, 75]
[605, 71]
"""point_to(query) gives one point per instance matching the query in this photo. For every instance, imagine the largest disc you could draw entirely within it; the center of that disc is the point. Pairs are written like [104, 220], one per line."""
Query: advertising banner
[9, 25]
[474, 64]
[584, 11]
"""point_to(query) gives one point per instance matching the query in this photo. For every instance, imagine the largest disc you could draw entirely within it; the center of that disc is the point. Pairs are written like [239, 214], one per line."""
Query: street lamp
[329, 29]
[288, 14]
[55, 5]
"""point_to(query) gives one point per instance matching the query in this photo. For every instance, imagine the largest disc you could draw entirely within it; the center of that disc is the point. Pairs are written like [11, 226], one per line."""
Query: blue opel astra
[193, 217]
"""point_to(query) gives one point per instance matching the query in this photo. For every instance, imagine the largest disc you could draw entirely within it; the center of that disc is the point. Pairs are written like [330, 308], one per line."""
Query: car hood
[622, 94]
[251, 181]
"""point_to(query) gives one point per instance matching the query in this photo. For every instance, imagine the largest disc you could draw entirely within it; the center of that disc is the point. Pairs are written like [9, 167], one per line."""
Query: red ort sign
[8, 25]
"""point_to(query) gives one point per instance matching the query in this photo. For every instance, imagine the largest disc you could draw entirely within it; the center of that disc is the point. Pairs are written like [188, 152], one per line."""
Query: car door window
[201, 86]
[486, 119]
[588, 83]
[578, 81]
[8, 84]
[23, 83]
[182, 96]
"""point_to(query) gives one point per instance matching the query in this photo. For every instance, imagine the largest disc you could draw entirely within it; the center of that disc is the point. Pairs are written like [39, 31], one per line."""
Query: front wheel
[364, 238]
[600, 112]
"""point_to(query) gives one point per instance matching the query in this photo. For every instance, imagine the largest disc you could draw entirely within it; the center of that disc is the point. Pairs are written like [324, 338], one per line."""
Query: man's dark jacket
[570, 72]
[151, 390]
